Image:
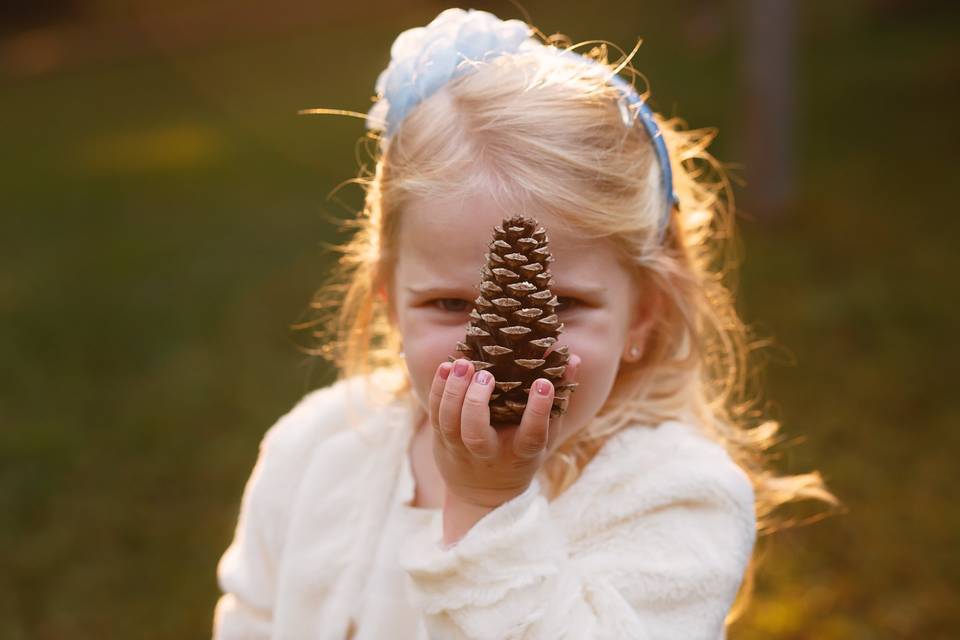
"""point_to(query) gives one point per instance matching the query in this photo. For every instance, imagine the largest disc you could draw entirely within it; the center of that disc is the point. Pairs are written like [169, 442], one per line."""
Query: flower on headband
[423, 59]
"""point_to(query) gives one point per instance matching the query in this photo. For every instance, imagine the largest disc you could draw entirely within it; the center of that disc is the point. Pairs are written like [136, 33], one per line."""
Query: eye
[457, 306]
[566, 304]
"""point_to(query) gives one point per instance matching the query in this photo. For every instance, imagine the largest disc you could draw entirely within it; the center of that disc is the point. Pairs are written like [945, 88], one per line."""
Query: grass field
[163, 214]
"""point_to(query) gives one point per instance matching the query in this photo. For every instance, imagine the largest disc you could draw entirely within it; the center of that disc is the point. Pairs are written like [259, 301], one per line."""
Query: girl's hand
[480, 465]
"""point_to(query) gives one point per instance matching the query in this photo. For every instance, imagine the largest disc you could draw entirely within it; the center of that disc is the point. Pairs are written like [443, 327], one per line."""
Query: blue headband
[423, 59]
[659, 145]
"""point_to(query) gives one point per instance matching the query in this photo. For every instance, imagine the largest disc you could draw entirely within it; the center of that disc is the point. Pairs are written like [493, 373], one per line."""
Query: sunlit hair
[546, 133]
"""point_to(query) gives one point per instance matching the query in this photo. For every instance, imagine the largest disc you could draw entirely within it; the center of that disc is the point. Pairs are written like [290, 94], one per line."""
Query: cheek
[599, 350]
[425, 347]
[598, 345]
[597, 370]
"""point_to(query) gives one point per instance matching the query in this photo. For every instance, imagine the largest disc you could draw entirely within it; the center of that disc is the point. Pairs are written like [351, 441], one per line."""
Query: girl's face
[441, 248]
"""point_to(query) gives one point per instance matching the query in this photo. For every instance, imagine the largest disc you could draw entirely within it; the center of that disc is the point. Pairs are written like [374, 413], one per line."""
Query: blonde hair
[547, 132]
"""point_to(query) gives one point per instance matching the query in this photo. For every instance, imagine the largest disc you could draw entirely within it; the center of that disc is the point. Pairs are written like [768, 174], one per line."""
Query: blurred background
[164, 213]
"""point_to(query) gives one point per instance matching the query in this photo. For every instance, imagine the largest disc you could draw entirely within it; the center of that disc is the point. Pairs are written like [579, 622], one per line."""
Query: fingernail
[460, 368]
[542, 387]
[483, 377]
[444, 371]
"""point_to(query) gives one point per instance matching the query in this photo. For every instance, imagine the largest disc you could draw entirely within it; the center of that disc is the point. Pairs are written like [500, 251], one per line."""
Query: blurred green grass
[164, 214]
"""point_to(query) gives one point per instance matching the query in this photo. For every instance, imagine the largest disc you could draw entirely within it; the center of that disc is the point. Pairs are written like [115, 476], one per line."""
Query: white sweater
[650, 542]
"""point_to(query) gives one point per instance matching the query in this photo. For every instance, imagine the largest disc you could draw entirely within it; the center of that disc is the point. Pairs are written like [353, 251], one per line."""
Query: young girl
[386, 506]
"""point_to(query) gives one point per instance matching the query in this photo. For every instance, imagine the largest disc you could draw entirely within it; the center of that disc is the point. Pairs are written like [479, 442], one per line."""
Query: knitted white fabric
[651, 542]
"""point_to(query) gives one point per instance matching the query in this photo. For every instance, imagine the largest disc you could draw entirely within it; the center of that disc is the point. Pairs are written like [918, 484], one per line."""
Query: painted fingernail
[459, 368]
[444, 371]
[542, 387]
[482, 377]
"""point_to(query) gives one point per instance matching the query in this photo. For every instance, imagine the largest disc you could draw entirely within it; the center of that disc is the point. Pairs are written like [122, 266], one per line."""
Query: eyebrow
[438, 290]
[584, 290]
[581, 290]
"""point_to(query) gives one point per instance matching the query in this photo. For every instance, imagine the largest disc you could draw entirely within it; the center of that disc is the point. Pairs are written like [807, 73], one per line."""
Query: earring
[634, 351]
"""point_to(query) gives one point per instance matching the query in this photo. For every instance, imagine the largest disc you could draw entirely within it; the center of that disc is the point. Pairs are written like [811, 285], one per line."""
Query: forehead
[445, 240]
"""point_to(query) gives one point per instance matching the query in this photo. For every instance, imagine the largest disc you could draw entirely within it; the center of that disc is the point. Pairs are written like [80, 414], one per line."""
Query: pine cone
[513, 323]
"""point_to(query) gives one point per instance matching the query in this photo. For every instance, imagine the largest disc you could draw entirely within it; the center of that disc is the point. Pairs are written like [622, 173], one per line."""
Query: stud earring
[634, 351]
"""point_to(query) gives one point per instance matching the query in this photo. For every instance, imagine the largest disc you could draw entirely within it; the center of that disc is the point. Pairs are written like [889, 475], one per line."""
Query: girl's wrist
[460, 515]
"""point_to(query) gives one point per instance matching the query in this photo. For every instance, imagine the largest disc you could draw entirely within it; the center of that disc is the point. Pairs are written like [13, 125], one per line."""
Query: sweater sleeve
[659, 552]
[247, 571]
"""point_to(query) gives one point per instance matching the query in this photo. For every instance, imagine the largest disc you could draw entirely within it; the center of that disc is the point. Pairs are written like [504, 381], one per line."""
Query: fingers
[531, 437]
[451, 402]
[537, 431]
[436, 393]
[478, 436]
[459, 410]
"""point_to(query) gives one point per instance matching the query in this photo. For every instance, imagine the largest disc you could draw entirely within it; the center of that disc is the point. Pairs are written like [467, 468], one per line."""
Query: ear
[646, 310]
